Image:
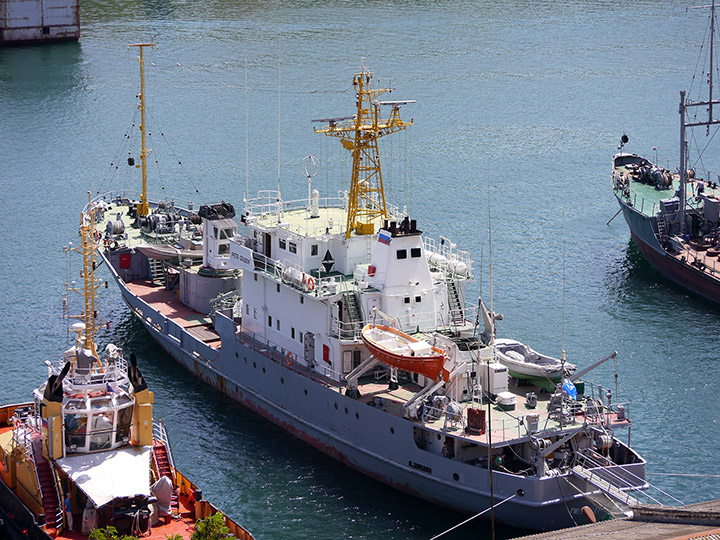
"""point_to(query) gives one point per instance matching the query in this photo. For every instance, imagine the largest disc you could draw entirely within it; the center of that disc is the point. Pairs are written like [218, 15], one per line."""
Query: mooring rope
[692, 475]
[476, 515]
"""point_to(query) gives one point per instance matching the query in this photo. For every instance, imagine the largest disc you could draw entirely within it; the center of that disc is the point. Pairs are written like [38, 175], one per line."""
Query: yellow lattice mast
[88, 247]
[360, 135]
[143, 208]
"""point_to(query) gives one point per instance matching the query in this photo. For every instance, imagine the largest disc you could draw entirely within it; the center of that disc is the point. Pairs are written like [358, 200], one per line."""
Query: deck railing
[622, 477]
[129, 195]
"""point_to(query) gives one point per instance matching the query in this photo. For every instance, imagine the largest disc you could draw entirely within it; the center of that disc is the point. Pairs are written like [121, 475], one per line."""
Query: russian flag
[384, 237]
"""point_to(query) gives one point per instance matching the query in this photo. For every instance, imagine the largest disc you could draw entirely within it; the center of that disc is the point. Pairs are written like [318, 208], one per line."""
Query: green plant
[174, 537]
[109, 533]
[211, 528]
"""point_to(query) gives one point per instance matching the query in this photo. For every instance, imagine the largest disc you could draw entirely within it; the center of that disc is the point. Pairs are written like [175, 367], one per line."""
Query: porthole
[357, 415]
[255, 365]
[346, 410]
[236, 355]
[306, 391]
[263, 369]
[438, 436]
[392, 430]
[282, 380]
[456, 476]
[336, 407]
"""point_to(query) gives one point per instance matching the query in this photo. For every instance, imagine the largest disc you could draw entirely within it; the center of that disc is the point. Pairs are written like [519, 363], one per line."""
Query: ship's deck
[646, 197]
[167, 303]
[506, 426]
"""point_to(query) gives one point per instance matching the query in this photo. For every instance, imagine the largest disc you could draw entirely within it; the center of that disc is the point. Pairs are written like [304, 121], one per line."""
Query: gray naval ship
[275, 319]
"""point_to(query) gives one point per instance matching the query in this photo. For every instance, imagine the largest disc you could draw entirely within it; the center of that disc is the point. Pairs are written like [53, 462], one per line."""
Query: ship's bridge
[97, 407]
[309, 234]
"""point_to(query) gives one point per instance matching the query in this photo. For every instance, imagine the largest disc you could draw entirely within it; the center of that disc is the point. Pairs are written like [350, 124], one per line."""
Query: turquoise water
[531, 97]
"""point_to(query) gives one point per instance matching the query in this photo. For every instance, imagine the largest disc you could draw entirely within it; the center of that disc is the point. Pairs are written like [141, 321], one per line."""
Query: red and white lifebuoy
[310, 283]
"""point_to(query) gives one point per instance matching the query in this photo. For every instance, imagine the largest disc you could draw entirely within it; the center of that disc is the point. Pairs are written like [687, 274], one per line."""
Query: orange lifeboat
[396, 348]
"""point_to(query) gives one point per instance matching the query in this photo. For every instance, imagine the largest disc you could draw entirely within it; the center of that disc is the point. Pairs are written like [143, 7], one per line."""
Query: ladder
[454, 304]
[662, 231]
[157, 272]
[354, 312]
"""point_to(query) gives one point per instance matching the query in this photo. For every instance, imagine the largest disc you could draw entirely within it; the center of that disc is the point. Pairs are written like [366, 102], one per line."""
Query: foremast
[360, 135]
[143, 208]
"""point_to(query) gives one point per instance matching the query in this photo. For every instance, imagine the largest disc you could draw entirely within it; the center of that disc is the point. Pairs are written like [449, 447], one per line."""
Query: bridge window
[281, 243]
[293, 247]
[415, 252]
[401, 253]
[313, 250]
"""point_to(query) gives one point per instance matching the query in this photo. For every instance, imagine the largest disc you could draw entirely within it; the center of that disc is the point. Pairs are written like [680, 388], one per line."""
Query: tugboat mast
[143, 209]
[360, 135]
[90, 285]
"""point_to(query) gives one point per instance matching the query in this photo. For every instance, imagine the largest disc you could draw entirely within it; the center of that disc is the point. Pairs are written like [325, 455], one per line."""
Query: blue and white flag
[570, 389]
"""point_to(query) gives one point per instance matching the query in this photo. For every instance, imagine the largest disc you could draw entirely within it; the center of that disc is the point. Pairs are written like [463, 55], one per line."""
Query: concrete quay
[700, 521]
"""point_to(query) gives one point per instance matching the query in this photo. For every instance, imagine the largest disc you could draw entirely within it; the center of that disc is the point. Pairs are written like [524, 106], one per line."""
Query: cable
[519, 492]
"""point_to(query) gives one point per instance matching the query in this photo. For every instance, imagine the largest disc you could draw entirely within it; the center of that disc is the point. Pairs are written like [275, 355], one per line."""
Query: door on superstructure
[267, 244]
[309, 343]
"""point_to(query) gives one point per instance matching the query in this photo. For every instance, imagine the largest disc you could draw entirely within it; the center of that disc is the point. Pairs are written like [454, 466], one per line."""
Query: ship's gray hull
[374, 442]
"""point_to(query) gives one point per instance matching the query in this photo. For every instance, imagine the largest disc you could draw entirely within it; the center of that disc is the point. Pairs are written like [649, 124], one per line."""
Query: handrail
[599, 467]
[161, 435]
[127, 195]
[111, 373]
[279, 355]
[26, 446]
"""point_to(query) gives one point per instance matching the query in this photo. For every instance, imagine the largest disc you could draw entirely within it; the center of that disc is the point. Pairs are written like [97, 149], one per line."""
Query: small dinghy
[525, 364]
[397, 349]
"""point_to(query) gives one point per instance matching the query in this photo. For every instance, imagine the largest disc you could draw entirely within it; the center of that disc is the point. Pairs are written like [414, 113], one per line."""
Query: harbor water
[519, 109]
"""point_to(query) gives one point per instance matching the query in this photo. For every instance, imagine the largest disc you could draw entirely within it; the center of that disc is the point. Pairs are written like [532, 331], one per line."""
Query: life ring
[311, 283]
[289, 358]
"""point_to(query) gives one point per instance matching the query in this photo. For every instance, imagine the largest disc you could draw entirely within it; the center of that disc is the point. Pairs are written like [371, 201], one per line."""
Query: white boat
[273, 316]
[526, 364]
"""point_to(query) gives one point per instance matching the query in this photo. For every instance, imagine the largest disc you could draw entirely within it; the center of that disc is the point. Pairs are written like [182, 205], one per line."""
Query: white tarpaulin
[105, 476]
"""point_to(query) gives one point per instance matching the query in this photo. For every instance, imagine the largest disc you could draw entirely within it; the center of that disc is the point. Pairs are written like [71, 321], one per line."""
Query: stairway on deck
[157, 272]
[48, 491]
[162, 465]
[353, 309]
[456, 313]
[608, 488]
